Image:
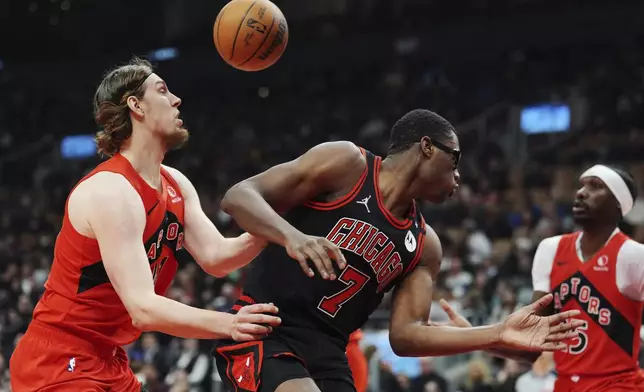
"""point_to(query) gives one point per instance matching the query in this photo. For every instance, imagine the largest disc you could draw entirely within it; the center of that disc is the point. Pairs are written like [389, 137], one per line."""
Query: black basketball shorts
[262, 366]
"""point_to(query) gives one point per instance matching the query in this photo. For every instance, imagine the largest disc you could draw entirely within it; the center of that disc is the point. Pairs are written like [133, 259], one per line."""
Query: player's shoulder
[176, 175]
[432, 252]
[102, 197]
[174, 172]
[631, 250]
[431, 238]
[342, 152]
[545, 254]
[104, 187]
[550, 243]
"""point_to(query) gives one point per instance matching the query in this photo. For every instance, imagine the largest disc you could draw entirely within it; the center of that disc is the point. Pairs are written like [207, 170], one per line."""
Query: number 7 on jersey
[354, 281]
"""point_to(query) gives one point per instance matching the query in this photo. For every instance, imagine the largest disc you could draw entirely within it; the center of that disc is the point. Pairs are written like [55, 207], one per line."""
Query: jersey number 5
[581, 341]
[354, 280]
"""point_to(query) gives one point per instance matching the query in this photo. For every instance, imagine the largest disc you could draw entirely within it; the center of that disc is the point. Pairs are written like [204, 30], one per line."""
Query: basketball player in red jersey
[126, 224]
[339, 193]
[599, 271]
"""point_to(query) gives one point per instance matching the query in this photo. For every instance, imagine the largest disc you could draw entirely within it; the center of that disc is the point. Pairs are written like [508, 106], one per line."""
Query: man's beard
[177, 139]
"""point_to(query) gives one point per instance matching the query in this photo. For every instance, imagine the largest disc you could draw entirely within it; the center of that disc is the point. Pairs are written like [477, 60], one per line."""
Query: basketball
[250, 35]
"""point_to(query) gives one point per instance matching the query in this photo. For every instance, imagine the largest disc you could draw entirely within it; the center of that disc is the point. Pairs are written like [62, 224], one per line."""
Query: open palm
[524, 329]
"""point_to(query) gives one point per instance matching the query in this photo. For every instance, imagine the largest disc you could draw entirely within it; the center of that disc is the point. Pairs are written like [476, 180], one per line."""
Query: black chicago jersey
[319, 315]
[379, 248]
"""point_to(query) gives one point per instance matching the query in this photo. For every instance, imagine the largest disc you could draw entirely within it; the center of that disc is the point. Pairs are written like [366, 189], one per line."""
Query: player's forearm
[157, 313]
[517, 355]
[233, 253]
[254, 214]
[416, 340]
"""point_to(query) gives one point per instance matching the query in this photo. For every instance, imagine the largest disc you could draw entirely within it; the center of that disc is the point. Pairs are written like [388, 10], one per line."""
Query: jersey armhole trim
[419, 253]
[346, 199]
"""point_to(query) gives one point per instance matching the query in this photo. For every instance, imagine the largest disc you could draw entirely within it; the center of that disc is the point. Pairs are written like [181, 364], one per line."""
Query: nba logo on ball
[250, 35]
[602, 263]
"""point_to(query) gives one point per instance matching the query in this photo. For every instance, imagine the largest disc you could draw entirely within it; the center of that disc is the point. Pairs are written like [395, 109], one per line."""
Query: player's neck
[396, 198]
[145, 156]
[594, 238]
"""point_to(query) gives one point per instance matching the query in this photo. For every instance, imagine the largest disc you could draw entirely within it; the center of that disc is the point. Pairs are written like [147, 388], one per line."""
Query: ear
[426, 146]
[134, 105]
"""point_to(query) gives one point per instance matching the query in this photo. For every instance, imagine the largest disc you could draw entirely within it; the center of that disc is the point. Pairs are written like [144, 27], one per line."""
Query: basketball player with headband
[599, 271]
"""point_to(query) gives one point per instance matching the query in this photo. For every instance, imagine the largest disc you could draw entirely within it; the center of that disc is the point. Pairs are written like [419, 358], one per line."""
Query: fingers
[335, 252]
[321, 252]
[447, 308]
[567, 326]
[541, 303]
[254, 329]
[261, 319]
[259, 308]
[318, 255]
[550, 346]
[561, 336]
[304, 263]
[562, 317]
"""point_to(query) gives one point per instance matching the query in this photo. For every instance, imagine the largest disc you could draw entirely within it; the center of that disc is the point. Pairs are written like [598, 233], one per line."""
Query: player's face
[439, 170]
[161, 112]
[593, 201]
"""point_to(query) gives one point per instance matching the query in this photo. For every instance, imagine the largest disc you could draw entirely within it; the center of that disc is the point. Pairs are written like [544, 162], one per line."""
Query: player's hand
[525, 330]
[318, 250]
[254, 322]
[455, 319]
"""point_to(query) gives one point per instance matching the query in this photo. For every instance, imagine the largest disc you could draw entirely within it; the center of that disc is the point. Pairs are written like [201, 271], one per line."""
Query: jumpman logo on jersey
[365, 201]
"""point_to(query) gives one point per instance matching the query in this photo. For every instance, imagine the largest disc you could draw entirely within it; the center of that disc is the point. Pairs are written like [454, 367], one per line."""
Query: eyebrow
[160, 82]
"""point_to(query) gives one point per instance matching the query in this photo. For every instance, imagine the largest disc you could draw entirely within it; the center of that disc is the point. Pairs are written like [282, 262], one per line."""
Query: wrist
[224, 325]
[496, 333]
[286, 232]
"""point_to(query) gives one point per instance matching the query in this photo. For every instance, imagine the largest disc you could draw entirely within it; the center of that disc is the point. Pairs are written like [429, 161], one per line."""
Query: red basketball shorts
[48, 360]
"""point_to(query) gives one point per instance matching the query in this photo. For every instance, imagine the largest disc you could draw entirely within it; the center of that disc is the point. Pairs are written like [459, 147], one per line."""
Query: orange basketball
[250, 35]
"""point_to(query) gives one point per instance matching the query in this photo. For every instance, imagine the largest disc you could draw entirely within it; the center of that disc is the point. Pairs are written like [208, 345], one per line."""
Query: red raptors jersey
[609, 341]
[79, 297]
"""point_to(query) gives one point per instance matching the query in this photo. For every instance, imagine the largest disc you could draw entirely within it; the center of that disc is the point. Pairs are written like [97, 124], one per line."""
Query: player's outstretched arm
[214, 253]
[410, 335]
[331, 168]
[541, 267]
[108, 208]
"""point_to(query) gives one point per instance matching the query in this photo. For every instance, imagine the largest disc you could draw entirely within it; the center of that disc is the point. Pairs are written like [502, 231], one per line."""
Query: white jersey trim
[630, 270]
[542, 264]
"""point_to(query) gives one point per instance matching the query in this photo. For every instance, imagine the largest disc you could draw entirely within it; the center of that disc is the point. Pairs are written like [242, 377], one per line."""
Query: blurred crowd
[489, 230]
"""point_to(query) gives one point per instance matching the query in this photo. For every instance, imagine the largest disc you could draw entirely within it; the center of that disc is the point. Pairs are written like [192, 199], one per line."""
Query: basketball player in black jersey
[339, 196]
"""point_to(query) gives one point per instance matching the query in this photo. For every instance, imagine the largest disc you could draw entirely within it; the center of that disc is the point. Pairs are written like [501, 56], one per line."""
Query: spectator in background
[181, 383]
[428, 378]
[150, 352]
[478, 378]
[150, 379]
[195, 365]
[505, 305]
[507, 377]
[541, 378]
